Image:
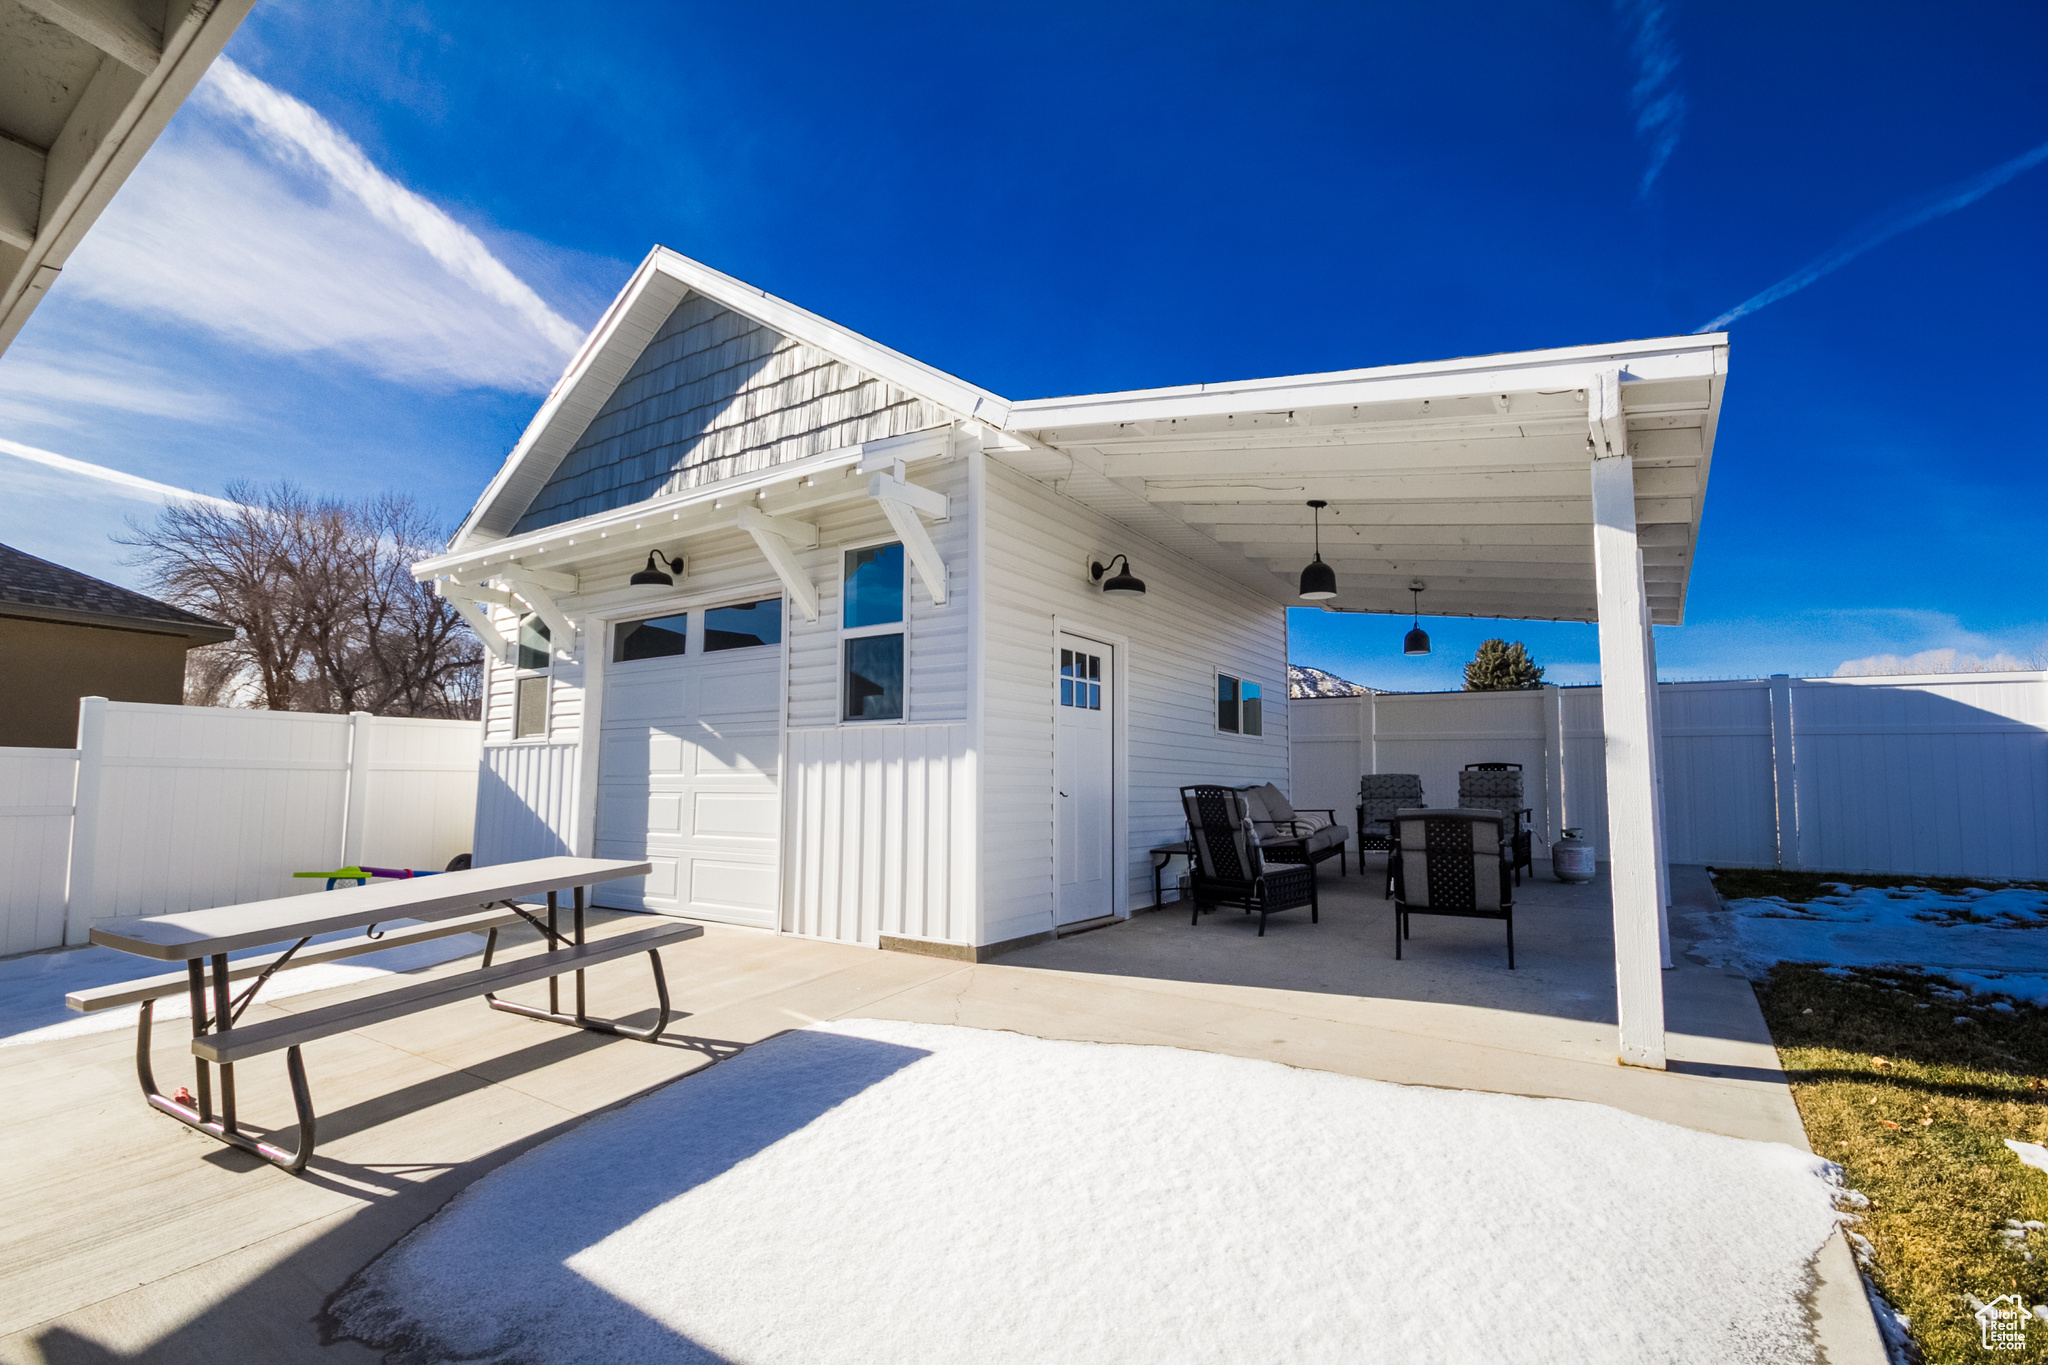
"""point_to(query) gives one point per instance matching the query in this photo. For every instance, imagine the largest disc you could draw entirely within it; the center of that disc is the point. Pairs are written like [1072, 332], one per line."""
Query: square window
[658, 637]
[1226, 703]
[530, 708]
[874, 586]
[874, 677]
[533, 642]
[743, 625]
[1254, 709]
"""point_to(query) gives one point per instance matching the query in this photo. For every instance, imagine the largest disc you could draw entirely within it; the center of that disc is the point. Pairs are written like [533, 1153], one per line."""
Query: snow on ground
[882, 1191]
[32, 988]
[1986, 942]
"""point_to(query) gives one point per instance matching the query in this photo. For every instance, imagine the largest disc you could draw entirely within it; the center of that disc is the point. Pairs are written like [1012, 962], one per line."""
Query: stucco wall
[51, 664]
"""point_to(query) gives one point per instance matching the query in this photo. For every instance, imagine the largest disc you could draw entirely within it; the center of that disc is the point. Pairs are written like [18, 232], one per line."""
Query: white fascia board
[954, 394]
[1692, 357]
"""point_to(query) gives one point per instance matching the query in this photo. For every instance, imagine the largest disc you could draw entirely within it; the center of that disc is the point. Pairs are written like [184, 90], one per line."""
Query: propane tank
[1571, 858]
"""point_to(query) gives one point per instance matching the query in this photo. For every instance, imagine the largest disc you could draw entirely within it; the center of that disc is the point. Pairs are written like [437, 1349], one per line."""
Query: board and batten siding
[713, 396]
[1171, 642]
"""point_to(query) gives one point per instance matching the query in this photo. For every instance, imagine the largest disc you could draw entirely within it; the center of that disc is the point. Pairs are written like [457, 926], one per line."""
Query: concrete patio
[128, 1238]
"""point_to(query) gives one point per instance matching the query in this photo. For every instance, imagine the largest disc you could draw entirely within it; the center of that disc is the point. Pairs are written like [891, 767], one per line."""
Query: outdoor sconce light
[653, 576]
[1318, 580]
[1124, 584]
[1418, 638]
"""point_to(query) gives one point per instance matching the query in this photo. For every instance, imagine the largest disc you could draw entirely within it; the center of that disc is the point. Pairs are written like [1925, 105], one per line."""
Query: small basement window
[657, 637]
[1240, 706]
[534, 659]
[743, 625]
[871, 634]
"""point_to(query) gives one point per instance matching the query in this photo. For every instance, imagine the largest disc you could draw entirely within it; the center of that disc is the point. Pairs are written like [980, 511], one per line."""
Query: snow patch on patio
[32, 988]
[1987, 942]
[884, 1191]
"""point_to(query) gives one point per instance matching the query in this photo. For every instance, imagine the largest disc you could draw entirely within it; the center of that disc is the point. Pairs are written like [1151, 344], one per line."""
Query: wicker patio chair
[1287, 835]
[1498, 787]
[1379, 796]
[1228, 866]
[1452, 862]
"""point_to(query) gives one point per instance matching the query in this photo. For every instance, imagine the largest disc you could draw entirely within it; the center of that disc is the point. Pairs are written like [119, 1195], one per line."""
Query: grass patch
[1915, 1107]
[1738, 883]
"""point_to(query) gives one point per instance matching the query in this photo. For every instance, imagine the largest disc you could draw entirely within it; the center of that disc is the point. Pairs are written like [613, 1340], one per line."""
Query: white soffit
[657, 286]
[1470, 474]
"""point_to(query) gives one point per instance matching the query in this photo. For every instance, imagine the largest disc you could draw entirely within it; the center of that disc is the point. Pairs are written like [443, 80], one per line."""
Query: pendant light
[1318, 580]
[1418, 638]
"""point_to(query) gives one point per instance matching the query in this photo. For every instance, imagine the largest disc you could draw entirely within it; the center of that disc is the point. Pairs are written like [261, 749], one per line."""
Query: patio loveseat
[1287, 835]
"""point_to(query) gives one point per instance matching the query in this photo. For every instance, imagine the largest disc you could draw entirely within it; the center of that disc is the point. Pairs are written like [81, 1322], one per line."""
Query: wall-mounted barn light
[1318, 580]
[1124, 584]
[654, 576]
[1418, 638]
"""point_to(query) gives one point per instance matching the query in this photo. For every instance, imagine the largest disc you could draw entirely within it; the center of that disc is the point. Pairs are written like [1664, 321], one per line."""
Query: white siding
[879, 833]
[1189, 624]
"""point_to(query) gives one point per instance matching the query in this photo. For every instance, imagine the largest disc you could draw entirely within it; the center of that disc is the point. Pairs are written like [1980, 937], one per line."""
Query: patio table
[198, 937]
[1162, 858]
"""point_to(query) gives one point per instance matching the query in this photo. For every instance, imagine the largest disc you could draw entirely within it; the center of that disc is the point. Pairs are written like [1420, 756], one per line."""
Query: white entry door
[1083, 770]
[689, 779]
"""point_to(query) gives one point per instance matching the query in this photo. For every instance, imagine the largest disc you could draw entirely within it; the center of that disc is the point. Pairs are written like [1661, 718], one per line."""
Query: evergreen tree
[1501, 667]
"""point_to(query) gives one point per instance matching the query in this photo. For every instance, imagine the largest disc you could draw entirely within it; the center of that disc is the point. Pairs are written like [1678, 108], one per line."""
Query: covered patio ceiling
[1471, 475]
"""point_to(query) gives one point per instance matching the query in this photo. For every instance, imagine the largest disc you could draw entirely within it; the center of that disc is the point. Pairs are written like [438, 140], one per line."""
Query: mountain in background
[1313, 682]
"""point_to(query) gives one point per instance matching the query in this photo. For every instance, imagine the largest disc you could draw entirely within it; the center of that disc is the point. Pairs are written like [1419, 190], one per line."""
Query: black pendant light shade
[1125, 584]
[1318, 580]
[1418, 638]
[654, 576]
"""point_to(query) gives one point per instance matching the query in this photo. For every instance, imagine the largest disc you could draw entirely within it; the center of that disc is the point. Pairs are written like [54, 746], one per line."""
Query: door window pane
[1094, 682]
[533, 642]
[658, 637]
[874, 677]
[743, 625]
[1254, 710]
[1066, 677]
[530, 711]
[874, 586]
[1226, 703]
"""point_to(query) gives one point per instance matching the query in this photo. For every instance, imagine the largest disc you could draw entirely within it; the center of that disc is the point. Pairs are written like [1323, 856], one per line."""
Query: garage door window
[871, 630]
[743, 625]
[657, 637]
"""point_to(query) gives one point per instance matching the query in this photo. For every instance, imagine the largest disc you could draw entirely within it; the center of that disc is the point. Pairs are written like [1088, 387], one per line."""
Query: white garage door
[690, 779]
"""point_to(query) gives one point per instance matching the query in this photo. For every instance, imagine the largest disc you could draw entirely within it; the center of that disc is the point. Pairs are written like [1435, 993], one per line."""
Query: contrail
[130, 485]
[1656, 97]
[1941, 202]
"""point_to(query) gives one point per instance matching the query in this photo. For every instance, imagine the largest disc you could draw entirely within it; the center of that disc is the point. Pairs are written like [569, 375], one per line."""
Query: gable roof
[37, 588]
[661, 282]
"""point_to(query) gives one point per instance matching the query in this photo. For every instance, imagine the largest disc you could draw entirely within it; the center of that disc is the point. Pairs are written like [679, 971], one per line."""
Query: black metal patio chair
[1498, 786]
[1229, 867]
[1452, 862]
[1379, 796]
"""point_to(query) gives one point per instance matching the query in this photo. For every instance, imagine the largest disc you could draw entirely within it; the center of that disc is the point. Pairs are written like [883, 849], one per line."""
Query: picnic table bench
[481, 900]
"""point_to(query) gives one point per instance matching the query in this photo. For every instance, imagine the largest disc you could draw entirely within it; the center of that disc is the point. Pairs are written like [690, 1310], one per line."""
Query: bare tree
[321, 593]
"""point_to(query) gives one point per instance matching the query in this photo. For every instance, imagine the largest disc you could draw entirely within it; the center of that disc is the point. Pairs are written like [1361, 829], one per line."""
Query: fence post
[1553, 763]
[81, 904]
[1784, 773]
[356, 810]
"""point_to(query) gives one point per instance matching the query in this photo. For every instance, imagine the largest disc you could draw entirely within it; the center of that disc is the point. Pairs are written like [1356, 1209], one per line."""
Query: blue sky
[356, 258]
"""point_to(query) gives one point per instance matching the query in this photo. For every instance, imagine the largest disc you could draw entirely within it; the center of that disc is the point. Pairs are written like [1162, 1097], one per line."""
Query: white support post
[902, 503]
[1784, 771]
[775, 536]
[81, 890]
[1553, 763]
[1657, 784]
[356, 810]
[1626, 677]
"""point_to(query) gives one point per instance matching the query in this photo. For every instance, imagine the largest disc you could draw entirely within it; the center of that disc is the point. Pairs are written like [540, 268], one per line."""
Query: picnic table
[480, 900]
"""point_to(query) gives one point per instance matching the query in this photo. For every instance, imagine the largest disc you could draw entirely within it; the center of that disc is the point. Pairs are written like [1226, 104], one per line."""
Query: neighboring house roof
[37, 588]
[94, 83]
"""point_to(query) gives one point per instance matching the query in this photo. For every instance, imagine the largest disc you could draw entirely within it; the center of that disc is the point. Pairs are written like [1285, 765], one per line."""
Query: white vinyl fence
[1923, 776]
[165, 808]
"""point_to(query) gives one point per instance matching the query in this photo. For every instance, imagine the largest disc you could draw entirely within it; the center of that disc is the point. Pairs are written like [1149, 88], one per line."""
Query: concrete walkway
[127, 1237]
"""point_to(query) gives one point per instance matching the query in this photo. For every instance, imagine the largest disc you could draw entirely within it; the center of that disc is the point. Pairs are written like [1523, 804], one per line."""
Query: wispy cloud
[1883, 229]
[127, 485]
[1933, 661]
[50, 392]
[262, 221]
[1656, 97]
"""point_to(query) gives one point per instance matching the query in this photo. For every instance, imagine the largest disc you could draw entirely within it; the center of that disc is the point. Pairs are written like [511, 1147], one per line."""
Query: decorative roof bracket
[903, 503]
[775, 536]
